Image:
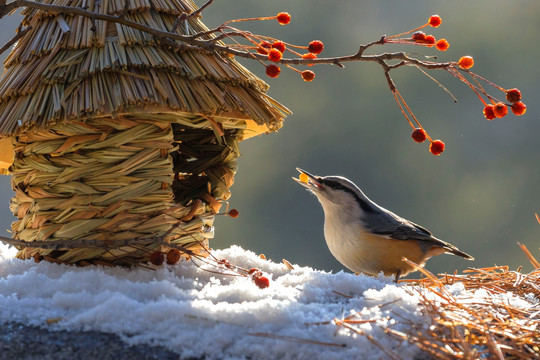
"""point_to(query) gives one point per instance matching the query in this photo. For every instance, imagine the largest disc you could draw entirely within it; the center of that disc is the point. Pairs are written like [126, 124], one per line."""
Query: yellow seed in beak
[303, 178]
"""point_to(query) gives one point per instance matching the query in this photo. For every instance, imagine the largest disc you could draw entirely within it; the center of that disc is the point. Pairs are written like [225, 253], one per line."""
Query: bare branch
[199, 10]
[178, 21]
[13, 40]
[194, 41]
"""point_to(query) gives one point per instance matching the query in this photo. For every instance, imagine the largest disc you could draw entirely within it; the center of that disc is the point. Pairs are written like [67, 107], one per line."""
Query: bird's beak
[308, 180]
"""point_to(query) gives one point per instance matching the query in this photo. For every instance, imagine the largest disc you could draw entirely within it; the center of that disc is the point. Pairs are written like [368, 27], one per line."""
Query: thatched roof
[62, 71]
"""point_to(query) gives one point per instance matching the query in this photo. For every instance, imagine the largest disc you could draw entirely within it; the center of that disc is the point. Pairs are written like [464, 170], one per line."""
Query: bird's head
[336, 192]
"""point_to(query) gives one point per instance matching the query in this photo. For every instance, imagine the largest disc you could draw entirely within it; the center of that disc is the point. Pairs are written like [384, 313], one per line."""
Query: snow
[197, 313]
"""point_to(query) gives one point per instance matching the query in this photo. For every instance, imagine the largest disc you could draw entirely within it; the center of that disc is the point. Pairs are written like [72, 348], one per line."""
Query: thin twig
[16, 38]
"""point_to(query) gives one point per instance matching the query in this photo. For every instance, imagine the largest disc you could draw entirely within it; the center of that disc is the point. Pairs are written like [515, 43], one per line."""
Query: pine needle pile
[469, 328]
[494, 315]
[118, 136]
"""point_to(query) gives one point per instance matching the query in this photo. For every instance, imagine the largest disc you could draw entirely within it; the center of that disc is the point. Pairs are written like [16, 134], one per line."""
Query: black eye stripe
[338, 186]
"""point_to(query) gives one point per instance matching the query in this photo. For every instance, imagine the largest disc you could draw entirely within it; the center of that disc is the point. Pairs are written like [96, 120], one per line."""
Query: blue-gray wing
[390, 225]
[393, 226]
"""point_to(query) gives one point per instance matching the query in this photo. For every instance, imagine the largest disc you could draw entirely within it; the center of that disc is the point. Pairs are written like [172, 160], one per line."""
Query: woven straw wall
[118, 137]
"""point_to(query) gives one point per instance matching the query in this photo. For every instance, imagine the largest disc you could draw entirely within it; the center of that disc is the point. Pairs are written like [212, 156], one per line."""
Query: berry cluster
[173, 256]
[493, 108]
[157, 258]
[271, 52]
[274, 49]
[419, 37]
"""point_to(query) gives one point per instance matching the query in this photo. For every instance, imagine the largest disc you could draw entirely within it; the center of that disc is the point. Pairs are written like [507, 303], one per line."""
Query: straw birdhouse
[111, 136]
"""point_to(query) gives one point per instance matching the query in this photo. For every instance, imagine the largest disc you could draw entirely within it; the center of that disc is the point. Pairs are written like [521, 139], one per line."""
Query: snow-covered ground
[197, 313]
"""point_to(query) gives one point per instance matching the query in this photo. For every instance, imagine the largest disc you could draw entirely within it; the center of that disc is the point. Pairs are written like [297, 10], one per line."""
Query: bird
[367, 238]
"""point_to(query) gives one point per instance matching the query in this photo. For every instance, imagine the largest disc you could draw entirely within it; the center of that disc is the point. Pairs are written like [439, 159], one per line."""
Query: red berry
[273, 71]
[275, 55]
[442, 45]
[436, 147]
[264, 47]
[488, 112]
[419, 36]
[279, 45]
[519, 108]
[283, 18]
[316, 47]
[513, 95]
[157, 258]
[466, 62]
[309, 56]
[430, 40]
[262, 282]
[233, 212]
[435, 21]
[419, 135]
[173, 256]
[500, 110]
[308, 75]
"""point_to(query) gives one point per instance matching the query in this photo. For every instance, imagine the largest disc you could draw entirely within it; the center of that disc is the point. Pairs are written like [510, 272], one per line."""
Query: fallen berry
[233, 213]
[513, 95]
[435, 21]
[419, 135]
[283, 18]
[500, 110]
[436, 147]
[308, 75]
[488, 112]
[466, 62]
[279, 45]
[157, 258]
[275, 55]
[262, 282]
[264, 47]
[173, 256]
[442, 45]
[419, 36]
[316, 47]
[519, 108]
[272, 71]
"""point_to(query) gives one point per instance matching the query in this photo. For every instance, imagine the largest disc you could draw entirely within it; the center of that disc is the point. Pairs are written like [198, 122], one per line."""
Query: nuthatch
[366, 237]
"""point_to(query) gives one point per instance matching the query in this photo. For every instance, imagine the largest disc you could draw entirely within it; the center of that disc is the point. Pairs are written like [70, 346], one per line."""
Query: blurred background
[481, 194]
